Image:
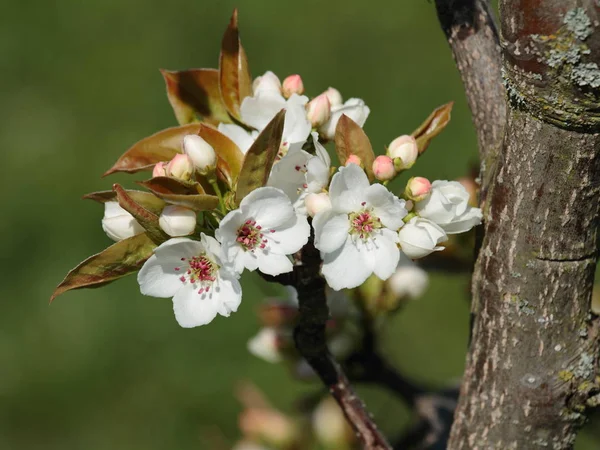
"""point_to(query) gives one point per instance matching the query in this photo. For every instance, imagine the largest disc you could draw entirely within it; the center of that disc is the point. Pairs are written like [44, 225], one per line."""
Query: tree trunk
[533, 360]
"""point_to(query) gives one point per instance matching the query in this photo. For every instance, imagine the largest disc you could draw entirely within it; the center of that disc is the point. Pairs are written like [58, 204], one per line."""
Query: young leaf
[190, 195]
[194, 94]
[118, 260]
[148, 220]
[350, 139]
[161, 146]
[235, 81]
[432, 126]
[260, 158]
[229, 156]
[149, 201]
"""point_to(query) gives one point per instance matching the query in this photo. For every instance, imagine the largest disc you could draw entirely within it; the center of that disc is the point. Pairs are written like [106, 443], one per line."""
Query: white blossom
[354, 108]
[262, 232]
[409, 280]
[358, 235]
[200, 152]
[264, 345]
[193, 273]
[420, 237]
[448, 206]
[118, 224]
[240, 137]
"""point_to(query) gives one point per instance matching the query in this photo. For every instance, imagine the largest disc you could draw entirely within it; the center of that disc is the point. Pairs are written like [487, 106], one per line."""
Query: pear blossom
[404, 151]
[265, 345]
[383, 168]
[177, 220]
[269, 82]
[316, 203]
[193, 273]
[118, 224]
[257, 111]
[318, 110]
[358, 235]
[409, 280]
[448, 206]
[420, 237]
[417, 189]
[292, 85]
[180, 167]
[262, 232]
[334, 96]
[299, 173]
[354, 108]
[160, 169]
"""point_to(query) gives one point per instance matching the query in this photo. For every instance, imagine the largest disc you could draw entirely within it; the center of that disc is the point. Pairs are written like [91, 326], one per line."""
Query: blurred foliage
[110, 368]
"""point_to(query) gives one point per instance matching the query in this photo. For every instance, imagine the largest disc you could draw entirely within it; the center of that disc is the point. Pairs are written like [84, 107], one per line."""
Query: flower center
[200, 270]
[364, 223]
[251, 236]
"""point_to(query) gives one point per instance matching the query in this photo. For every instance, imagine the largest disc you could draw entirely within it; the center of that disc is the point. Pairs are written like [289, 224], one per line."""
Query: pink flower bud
[180, 167]
[159, 169]
[404, 151]
[417, 188]
[353, 159]
[293, 85]
[315, 203]
[318, 110]
[334, 96]
[383, 168]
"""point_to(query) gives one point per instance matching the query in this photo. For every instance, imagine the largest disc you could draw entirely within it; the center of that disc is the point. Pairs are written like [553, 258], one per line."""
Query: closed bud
[353, 159]
[159, 169]
[293, 85]
[201, 153]
[383, 168]
[334, 96]
[330, 426]
[417, 189]
[315, 203]
[404, 151]
[420, 237]
[318, 110]
[177, 221]
[118, 224]
[180, 167]
[267, 83]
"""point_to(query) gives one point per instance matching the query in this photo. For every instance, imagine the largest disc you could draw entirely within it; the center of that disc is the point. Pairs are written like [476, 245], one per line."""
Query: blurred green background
[110, 368]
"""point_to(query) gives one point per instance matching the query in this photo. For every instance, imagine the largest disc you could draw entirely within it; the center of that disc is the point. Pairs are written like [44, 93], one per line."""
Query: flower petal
[192, 309]
[242, 138]
[472, 217]
[296, 127]
[229, 292]
[270, 207]
[291, 238]
[259, 110]
[386, 254]
[347, 267]
[331, 230]
[273, 263]
[348, 188]
[389, 208]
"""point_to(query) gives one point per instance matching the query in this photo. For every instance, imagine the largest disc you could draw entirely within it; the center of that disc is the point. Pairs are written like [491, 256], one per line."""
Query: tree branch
[471, 32]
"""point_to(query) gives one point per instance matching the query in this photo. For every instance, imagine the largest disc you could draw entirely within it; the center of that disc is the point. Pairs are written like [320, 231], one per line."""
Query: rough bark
[533, 361]
[471, 32]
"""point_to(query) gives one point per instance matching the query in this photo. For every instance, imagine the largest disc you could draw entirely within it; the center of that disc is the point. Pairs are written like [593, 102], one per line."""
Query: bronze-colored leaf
[118, 260]
[235, 81]
[260, 158]
[161, 146]
[148, 220]
[176, 192]
[432, 126]
[149, 201]
[350, 139]
[230, 157]
[194, 94]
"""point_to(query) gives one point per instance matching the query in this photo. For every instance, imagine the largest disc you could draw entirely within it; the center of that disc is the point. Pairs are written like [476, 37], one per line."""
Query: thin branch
[471, 32]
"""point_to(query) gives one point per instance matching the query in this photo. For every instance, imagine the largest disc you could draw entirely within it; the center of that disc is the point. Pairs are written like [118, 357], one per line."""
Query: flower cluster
[244, 182]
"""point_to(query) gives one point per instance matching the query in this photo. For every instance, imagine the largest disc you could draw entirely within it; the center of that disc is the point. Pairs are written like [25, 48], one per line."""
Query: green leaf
[149, 201]
[234, 76]
[229, 157]
[120, 259]
[432, 126]
[176, 192]
[148, 220]
[194, 94]
[350, 139]
[161, 146]
[260, 158]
